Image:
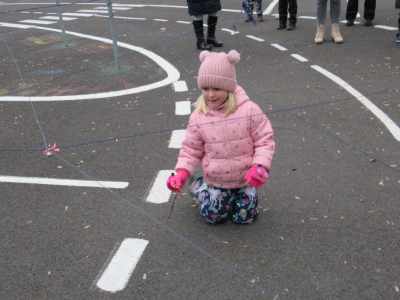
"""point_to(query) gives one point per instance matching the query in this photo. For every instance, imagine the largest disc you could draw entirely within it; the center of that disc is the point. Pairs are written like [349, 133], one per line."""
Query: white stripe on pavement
[119, 270]
[279, 47]
[92, 11]
[299, 57]
[116, 17]
[183, 22]
[386, 27]
[177, 139]
[306, 17]
[77, 14]
[37, 22]
[179, 86]
[270, 7]
[159, 192]
[64, 182]
[183, 108]
[391, 126]
[255, 38]
[57, 18]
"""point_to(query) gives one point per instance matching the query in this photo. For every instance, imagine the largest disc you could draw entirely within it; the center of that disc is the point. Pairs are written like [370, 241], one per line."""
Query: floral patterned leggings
[216, 203]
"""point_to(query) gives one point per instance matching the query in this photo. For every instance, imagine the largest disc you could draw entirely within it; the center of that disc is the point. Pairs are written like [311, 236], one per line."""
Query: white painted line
[56, 18]
[92, 11]
[230, 30]
[299, 57]
[15, 25]
[37, 22]
[37, 12]
[270, 7]
[24, 12]
[255, 38]
[64, 182]
[386, 27]
[391, 126]
[279, 47]
[159, 192]
[115, 17]
[177, 138]
[51, 13]
[184, 22]
[306, 17]
[179, 86]
[114, 7]
[78, 14]
[172, 73]
[160, 20]
[183, 108]
[355, 22]
[119, 270]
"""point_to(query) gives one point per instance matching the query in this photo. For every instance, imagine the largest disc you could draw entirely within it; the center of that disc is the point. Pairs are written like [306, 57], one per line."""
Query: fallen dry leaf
[381, 183]
[387, 58]
[314, 219]
[224, 242]
[138, 124]
[372, 71]
[372, 160]
[396, 288]
[144, 276]
[398, 67]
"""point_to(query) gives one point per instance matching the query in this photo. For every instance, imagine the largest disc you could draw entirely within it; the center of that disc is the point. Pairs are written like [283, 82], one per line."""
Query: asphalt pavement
[329, 216]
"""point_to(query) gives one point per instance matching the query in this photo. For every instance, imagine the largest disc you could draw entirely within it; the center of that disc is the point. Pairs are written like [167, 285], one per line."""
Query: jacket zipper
[229, 149]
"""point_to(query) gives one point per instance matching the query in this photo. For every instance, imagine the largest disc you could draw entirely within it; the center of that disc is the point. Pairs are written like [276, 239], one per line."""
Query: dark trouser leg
[352, 10]
[244, 209]
[369, 9]
[283, 11]
[212, 24]
[293, 11]
[198, 29]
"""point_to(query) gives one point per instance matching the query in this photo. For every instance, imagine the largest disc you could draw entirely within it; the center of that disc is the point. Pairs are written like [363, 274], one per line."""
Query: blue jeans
[215, 204]
[334, 11]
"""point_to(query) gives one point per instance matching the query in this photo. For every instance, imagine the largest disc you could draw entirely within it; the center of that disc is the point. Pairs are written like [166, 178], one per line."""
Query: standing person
[258, 10]
[233, 140]
[283, 14]
[321, 16]
[397, 5]
[198, 8]
[352, 11]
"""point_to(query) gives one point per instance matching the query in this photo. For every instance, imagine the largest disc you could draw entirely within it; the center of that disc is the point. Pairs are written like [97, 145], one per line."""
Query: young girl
[232, 138]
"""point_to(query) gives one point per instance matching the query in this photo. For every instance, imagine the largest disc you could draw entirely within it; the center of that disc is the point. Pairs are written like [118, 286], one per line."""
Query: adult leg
[212, 24]
[369, 9]
[198, 30]
[335, 14]
[293, 11]
[321, 17]
[245, 206]
[398, 34]
[352, 10]
[283, 13]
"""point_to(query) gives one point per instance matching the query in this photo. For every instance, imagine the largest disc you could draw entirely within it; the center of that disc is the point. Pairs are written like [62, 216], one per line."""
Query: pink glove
[176, 182]
[256, 176]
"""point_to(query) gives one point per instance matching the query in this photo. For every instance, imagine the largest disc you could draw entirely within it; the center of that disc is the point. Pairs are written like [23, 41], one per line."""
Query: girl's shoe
[319, 38]
[292, 26]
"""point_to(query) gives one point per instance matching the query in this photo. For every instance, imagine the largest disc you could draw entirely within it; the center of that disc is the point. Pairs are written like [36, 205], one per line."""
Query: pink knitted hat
[218, 71]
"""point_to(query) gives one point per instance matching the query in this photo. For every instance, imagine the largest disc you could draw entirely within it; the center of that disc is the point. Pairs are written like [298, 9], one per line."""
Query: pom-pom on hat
[217, 70]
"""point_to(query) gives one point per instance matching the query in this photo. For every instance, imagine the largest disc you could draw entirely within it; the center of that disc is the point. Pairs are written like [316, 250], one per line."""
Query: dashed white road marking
[306, 17]
[183, 108]
[77, 14]
[177, 138]
[279, 47]
[98, 11]
[355, 22]
[114, 7]
[386, 27]
[255, 38]
[37, 22]
[270, 7]
[299, 57]
[119, 270]
[390, 125]
[179, 86]
[229, 30]
[116, 17]
[184, 22]
[172, 73]
[161, 20]
[159, 192]
[64, 182]
[57, 18]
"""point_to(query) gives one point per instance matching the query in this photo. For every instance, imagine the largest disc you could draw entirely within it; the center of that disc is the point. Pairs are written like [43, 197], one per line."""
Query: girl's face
[214, 97]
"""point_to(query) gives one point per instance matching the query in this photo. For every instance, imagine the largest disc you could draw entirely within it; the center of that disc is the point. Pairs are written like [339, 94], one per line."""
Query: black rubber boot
[212, 24]
[198, 30]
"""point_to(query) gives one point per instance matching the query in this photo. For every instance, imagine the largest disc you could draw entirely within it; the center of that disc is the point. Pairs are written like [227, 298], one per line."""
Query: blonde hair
[230, 104]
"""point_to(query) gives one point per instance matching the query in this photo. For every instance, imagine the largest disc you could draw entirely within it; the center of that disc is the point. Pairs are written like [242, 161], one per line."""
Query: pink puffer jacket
[228, 146]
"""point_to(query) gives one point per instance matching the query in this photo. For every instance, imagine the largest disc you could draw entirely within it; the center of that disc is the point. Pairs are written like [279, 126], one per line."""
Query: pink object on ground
[256, 176]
